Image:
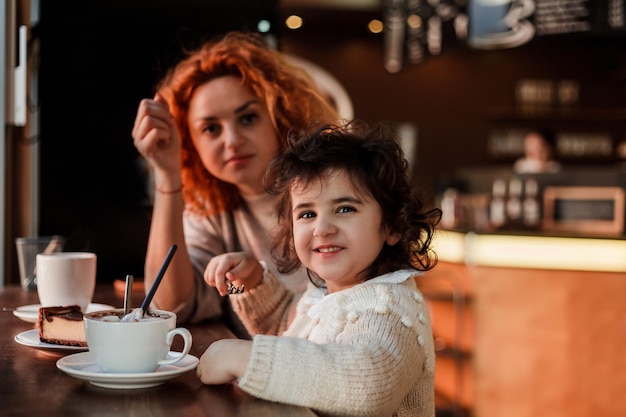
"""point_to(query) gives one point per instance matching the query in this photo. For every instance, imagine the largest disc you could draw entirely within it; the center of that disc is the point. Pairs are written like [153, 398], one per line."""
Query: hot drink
[134, 346]
[116, 316]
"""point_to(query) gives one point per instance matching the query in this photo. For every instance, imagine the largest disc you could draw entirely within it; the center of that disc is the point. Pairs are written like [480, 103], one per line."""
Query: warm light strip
[450, 246]
[540, 252]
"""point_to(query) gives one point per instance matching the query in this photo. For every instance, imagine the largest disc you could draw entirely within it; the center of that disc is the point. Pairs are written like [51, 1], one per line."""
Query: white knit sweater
[364, 351]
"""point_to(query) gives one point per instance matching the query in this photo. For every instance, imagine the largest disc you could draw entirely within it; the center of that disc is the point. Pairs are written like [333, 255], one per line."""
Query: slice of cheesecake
[62, 326]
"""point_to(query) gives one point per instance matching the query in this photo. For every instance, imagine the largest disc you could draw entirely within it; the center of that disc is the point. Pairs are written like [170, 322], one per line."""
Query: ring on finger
[234, 290]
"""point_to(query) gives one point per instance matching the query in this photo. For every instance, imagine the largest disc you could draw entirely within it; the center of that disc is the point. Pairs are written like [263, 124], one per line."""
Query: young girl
[359, 341]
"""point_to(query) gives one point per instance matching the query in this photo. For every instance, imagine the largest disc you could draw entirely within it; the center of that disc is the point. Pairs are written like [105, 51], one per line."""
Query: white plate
[30, 313]
[30, 338]
[83, 366]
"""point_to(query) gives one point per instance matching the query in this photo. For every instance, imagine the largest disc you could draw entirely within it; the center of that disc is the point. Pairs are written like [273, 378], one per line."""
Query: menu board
[497, 24]
[416, 29]
[595, 17]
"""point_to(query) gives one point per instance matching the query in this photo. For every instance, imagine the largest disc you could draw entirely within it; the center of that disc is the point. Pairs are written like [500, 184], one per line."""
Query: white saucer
[83, 366]
[30, 313]
[522, 34]
[30, 338]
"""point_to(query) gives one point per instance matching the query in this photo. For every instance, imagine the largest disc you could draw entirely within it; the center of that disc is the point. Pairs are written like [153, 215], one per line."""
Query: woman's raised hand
[155, 135]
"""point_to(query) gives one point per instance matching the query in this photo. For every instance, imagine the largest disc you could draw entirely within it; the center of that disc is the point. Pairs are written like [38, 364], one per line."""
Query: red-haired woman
[208, 135]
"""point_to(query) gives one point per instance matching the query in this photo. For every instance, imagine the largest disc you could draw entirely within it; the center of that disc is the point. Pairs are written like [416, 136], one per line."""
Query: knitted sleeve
[268, 308]
[378, 359]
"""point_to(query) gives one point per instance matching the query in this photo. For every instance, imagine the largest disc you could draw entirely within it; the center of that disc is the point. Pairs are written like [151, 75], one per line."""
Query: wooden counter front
[545, 341]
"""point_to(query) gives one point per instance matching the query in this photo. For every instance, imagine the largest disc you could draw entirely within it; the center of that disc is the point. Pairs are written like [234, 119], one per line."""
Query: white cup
[500, 23]
[133, 346]
[66, 278]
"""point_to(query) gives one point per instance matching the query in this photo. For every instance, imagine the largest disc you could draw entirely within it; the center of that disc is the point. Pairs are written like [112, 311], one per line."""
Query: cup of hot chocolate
[134, 346]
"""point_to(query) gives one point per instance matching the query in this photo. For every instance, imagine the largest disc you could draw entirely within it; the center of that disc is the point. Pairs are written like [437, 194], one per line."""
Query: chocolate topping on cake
[62, 325]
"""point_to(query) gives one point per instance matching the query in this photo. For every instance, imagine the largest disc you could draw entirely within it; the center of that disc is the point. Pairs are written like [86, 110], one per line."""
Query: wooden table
[31, 384]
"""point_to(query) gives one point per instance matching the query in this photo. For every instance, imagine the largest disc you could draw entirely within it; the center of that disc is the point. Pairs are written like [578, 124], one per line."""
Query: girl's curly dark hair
[373, 158]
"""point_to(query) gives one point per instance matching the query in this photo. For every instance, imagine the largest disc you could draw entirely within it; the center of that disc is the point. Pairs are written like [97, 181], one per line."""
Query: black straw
[159, 277]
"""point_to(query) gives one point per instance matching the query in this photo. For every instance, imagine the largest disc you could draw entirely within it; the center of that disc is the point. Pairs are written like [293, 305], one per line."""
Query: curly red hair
[289, 93]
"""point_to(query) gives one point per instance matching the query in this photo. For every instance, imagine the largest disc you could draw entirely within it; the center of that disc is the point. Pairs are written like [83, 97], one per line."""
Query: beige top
[248, 228]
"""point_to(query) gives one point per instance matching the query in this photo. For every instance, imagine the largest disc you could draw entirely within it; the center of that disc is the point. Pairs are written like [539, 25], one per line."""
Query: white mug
[134, 346]
[66, 278]
[500, 23]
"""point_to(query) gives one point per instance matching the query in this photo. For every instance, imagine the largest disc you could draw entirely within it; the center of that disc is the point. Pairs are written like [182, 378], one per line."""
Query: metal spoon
[128, 293]
[137, 314]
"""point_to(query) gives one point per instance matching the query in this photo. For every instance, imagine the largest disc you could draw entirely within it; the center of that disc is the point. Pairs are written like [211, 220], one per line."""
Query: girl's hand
[224, 361]
[239, 268]
[155, 136]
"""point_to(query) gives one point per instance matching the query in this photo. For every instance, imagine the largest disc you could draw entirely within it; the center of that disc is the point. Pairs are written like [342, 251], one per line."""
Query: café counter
[544, 322]
[31, 384]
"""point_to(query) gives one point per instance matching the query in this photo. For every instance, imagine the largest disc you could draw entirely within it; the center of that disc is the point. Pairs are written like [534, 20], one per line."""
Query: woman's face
[233, 133]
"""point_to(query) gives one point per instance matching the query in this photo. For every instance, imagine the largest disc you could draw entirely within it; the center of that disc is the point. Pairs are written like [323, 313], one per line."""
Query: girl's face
[233, 133]
[337, 231]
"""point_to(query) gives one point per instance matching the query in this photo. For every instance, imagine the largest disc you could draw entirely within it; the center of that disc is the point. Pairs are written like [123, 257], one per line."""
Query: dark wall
[98, 60]
[452, 97]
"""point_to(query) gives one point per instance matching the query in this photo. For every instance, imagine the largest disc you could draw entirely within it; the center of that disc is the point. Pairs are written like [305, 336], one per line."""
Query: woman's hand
[155, 135]
[238, 268]
[224, 361]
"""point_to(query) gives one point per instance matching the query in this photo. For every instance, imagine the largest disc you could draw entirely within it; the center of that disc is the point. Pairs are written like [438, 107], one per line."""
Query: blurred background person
[539, 153]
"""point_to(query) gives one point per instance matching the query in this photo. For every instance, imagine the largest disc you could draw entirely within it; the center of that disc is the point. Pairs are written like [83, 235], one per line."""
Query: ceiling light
[264, 26]
[375, 26]
[293, 22]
